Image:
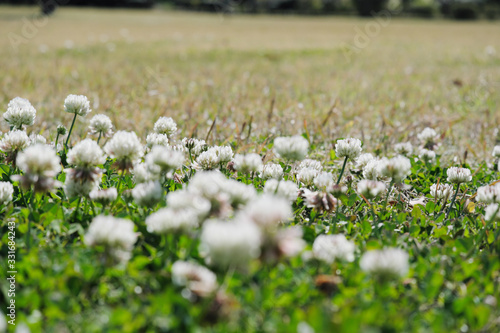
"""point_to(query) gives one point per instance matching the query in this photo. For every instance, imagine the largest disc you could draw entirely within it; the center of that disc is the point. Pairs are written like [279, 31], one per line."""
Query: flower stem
[373, 214]
[28, 233]
[388, 193]
[77, 206]
[70, 130]
[342, 171]
[57, 139]
[99, 138]
[453, 200]
[117, 190]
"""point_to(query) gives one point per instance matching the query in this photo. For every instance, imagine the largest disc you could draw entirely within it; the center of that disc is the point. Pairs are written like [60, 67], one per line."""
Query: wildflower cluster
[205, 222]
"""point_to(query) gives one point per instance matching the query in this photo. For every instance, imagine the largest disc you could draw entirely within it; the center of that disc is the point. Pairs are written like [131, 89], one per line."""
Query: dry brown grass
[138, 65]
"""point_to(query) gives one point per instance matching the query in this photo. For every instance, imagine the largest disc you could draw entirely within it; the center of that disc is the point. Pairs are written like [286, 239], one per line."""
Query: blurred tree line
[458, 9]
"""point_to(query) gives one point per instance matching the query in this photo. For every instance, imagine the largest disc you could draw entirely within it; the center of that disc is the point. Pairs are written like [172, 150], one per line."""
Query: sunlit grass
[138, 65]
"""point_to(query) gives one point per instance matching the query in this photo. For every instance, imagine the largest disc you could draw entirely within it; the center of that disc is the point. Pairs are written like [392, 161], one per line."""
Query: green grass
[260, 77]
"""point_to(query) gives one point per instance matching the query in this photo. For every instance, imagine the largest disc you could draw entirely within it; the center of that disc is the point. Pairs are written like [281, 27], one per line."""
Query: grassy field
[138, 65]
[193, 238]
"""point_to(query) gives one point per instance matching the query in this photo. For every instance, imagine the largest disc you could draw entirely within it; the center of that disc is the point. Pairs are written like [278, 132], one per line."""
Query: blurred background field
[281, 74]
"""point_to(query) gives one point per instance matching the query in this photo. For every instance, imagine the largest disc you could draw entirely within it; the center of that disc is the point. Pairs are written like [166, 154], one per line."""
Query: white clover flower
[185, 200]
[125, 147]
[284, 188]
[397, 168]
[225, 153]
[488, 194]
[304, 327]
[428, 135]
[492, 212]
[165, 125]
[77, 104]
[458, 175]
[214, 157]
[268, 210]
[324, 181]
[496, 151]
[309, 163]
[6, 193]
[165, 159]
[20, 113]
[442, 191]
[194, 145]
[39, 160]
[179, 147]
[247, 163]
[307, 175]
[403, 148]
[232, 243]
[370, 188]
[74, 187]
[349, 148]
[329, 248]
[198, 279]
[372, 170]
[143, 173]
[155, 139]
[37, 138]
[116, 234]
[271, 170]
[337, 190]
[293, 148]
[104, 197]
[86, 154]
[386, 263]
[3, 323]
[289, 241]
[14, 142]
[238, 193]
[427, 155]
[169, 220]
[100, 124]
[363, 160]
[22, 328]
[208, 160]
[147, 194]
[207, 184]
[321, 201]
[40, 164]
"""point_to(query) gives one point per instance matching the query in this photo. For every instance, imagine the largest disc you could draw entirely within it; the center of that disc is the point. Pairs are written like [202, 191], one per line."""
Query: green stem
[375, 223]
[227, 277]
[342, 171]
[28, 233]
[483, 232]
[334, 224]
[358, 206]
[77, 206]
[99, 138]
[57, 140]
[373, 214]
[93, 208]
[24, 199]
[453, 200]
[117, 190]
[388, 193]
[70, 130]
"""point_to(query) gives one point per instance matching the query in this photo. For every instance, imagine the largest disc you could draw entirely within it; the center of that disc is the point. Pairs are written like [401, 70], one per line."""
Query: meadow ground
[347, 243]
[138, 65]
